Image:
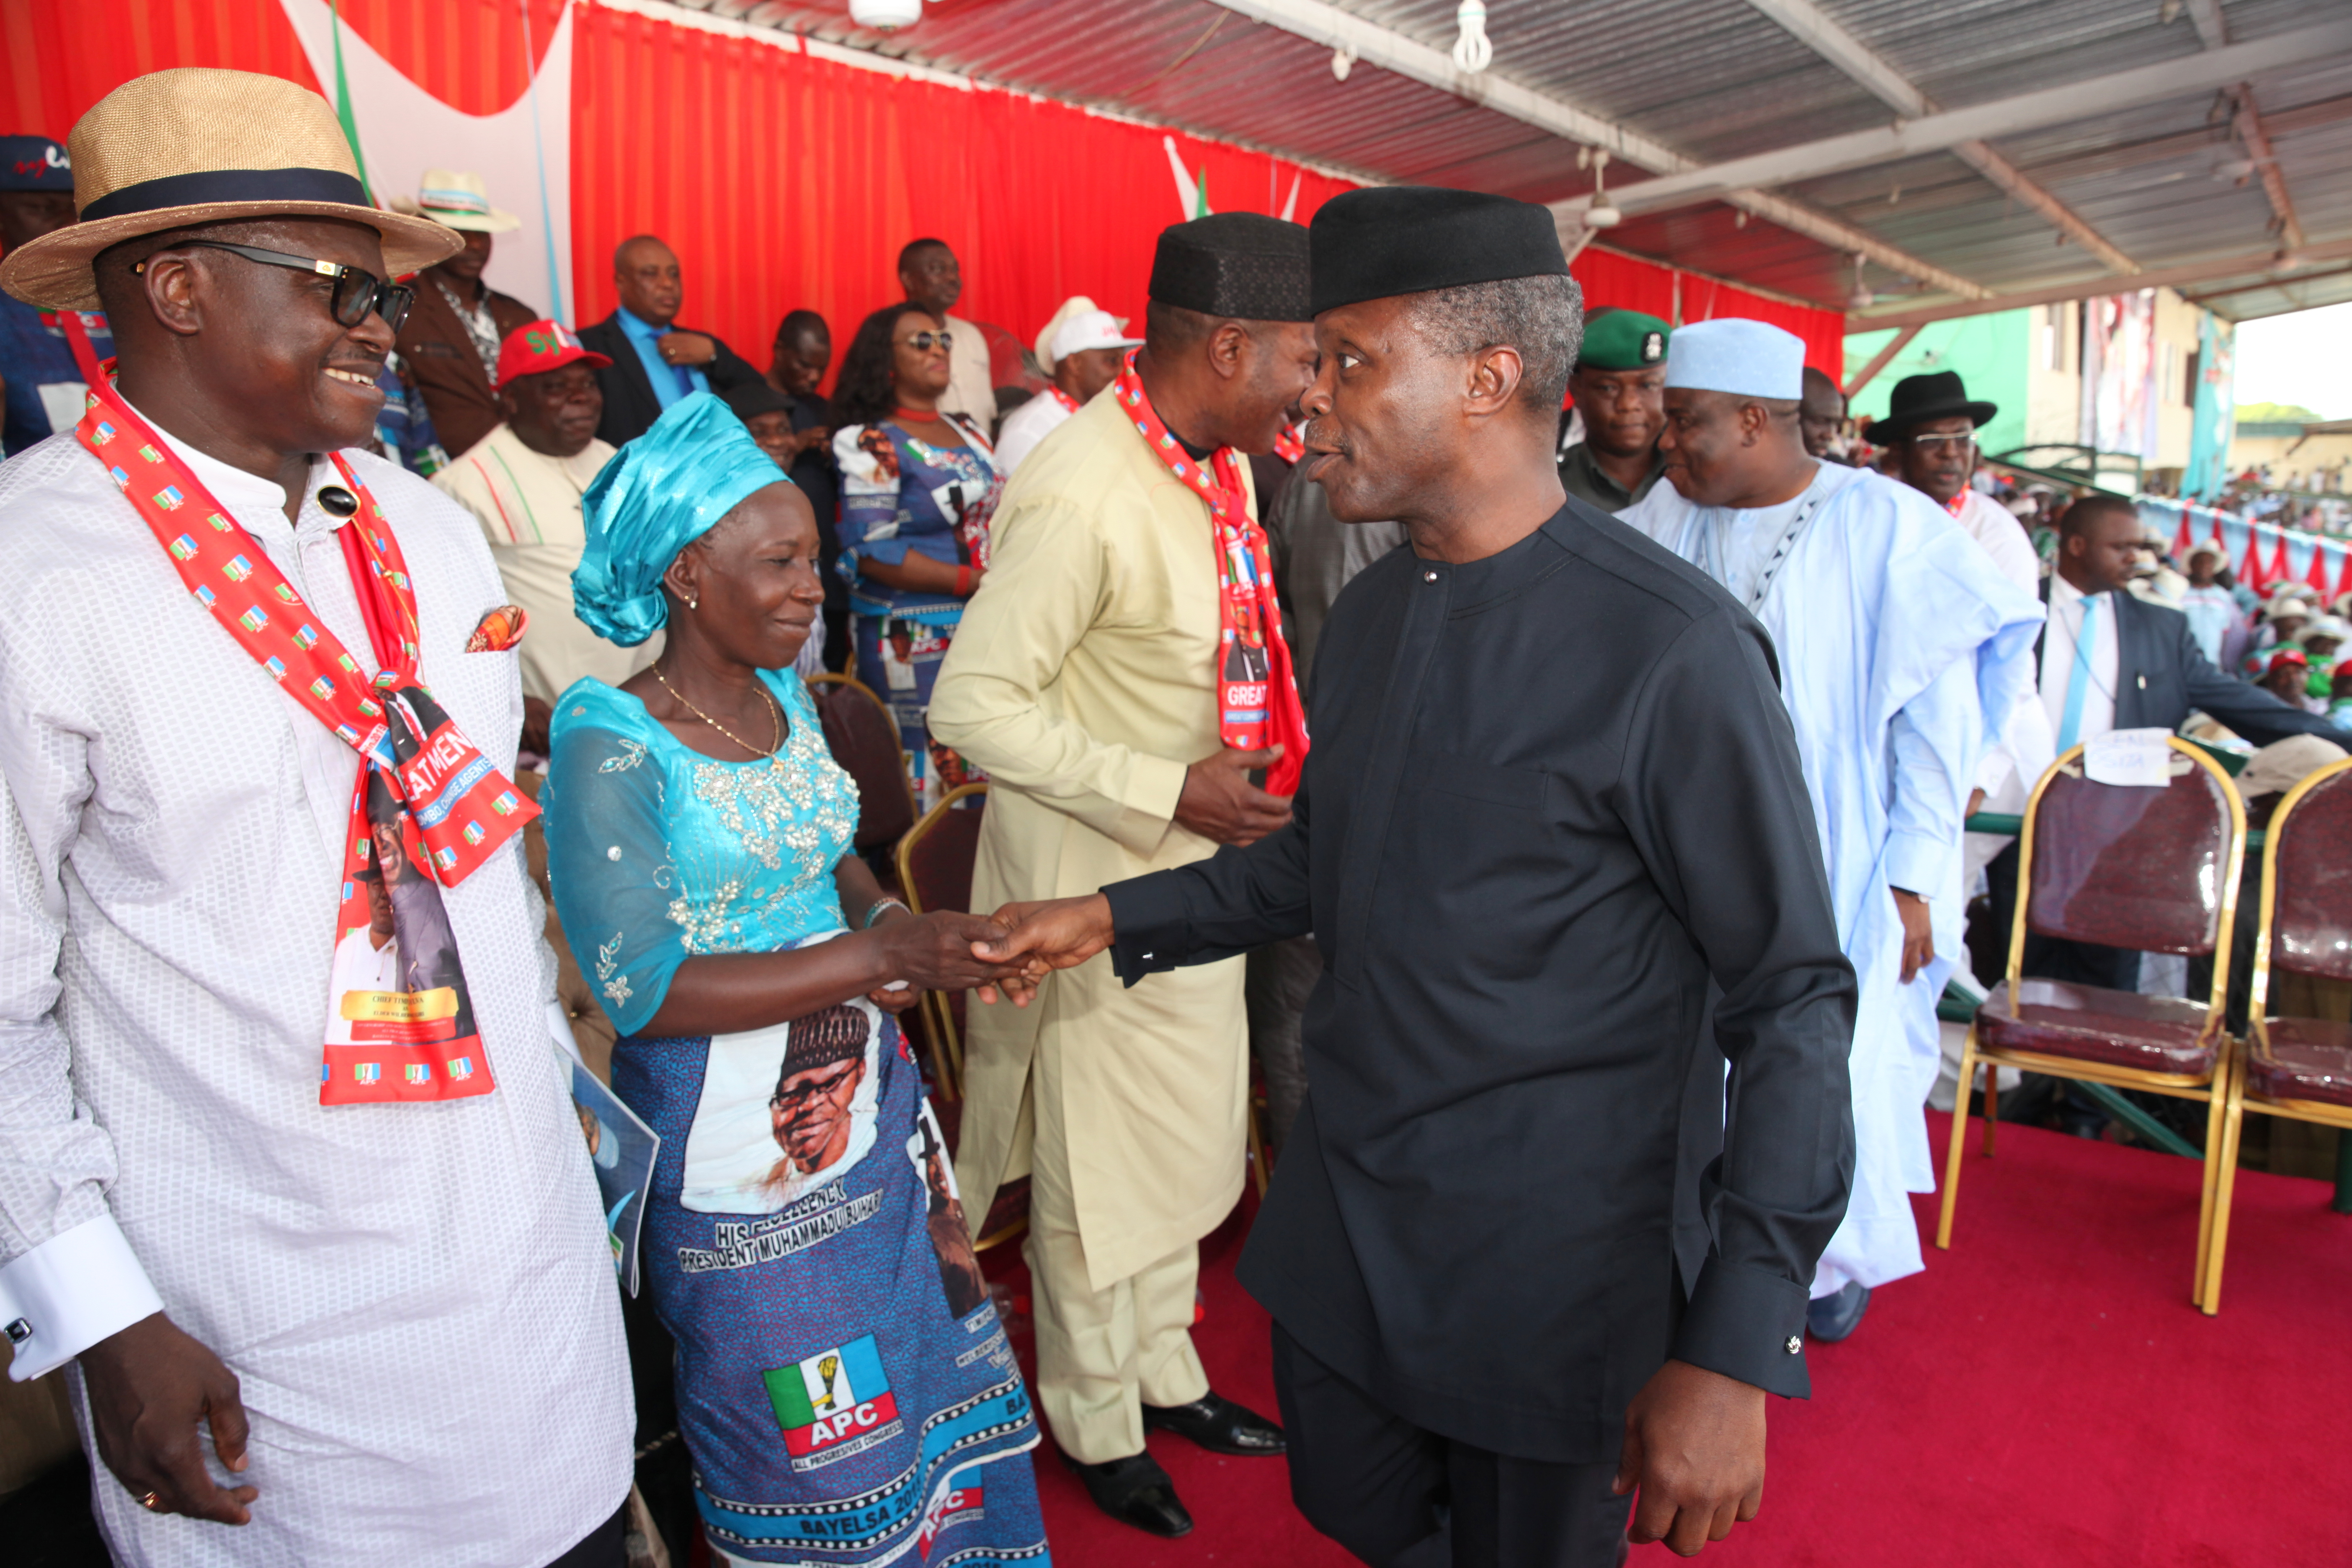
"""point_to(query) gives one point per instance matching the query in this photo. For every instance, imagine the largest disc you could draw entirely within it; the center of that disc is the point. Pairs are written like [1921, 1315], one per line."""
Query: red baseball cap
[2286, 657]
[542, 346]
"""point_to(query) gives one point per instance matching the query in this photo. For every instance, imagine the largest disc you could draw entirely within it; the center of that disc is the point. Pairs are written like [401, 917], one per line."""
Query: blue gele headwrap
[657, 495]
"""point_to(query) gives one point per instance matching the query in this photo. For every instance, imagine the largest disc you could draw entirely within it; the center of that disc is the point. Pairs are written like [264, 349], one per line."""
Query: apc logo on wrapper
[833, 1404]
[366, 1072]
[956, 1505]
[460, 1068]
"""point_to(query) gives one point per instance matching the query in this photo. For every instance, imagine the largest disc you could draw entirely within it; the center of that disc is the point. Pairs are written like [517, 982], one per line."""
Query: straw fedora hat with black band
[176, 148]
[455, 200]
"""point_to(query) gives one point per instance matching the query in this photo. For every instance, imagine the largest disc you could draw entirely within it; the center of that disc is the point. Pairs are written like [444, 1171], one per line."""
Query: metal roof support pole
[2258, 148]
[2214, 32]
[1818, 32]
[1879, 361]
[2062, 105]
[1329, 27]
[2277, 268]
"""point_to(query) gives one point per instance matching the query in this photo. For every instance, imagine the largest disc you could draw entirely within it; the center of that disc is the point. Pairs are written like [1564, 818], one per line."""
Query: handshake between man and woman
[1003, 956]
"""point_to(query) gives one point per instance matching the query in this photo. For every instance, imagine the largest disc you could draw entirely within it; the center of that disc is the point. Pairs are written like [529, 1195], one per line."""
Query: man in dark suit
[655, 361]
[2110, 661]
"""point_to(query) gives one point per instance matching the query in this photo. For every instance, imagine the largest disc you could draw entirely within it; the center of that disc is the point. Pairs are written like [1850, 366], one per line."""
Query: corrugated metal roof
[1712, 80]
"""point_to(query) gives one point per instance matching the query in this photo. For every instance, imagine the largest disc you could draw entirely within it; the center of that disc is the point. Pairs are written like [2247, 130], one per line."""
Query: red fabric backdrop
[1704, 299]
[783, 181]
[1609, 279]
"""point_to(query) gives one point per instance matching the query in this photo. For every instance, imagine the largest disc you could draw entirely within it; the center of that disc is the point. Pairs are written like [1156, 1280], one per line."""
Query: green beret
[1622, 340]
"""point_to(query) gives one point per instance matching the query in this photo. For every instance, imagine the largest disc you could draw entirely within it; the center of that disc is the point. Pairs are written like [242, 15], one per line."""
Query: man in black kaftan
[1555, 843]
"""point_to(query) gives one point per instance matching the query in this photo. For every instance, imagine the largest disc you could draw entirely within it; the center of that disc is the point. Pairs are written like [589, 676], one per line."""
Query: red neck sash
[1257, 696]
[440, 807]
[1291, 445]
[1069, 404]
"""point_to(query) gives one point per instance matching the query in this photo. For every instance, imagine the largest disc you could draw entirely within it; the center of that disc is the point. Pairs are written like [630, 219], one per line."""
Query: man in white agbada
[1897, 637]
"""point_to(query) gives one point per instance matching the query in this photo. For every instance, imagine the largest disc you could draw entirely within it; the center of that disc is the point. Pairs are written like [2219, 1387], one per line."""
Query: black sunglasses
[357, 291]
[921, 341]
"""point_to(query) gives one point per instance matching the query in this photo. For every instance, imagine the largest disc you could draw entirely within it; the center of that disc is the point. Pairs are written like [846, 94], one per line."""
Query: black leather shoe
[1135, 1490]
[1218, 1424]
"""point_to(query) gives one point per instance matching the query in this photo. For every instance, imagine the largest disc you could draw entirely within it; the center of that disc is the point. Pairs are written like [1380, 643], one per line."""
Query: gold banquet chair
[935, 862]
[2153, 868]
[2297, 1067]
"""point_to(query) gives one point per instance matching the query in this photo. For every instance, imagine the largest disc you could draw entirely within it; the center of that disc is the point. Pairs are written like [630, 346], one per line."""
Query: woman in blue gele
[847, 1393]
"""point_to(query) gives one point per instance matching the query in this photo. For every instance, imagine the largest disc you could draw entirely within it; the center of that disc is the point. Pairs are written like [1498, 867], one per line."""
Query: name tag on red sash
[428, 807]
[1257, 696]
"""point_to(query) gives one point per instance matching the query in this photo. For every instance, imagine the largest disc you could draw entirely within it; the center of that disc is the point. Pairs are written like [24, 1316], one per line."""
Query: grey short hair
[1543, 318]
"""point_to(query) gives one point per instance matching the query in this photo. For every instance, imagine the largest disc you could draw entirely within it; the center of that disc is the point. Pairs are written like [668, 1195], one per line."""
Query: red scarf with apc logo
[443, 802]
[1257, 696]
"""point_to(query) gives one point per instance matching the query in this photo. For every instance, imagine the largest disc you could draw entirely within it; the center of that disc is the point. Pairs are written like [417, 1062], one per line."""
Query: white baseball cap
[1091, 330]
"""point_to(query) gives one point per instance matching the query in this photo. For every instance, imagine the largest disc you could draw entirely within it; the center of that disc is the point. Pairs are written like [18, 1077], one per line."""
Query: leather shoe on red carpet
[1135, 1490]
[1832, 1318]
[1218, 1424]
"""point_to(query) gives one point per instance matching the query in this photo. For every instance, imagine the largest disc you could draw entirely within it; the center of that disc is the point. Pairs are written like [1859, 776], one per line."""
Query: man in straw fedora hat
[453, 336]
[345, 1289]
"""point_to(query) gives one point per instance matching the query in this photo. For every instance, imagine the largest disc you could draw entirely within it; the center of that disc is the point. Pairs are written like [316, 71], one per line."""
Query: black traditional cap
[821, 1039]
[1407, 239]
[1234, 263]
[754, 398]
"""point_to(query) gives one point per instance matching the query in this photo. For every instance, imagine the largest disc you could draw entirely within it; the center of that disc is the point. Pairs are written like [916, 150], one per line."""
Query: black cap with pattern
[1243, 265]
[821, 1039]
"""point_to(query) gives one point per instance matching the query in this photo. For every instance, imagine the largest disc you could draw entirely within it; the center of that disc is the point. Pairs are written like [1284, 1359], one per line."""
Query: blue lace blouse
[656, 853]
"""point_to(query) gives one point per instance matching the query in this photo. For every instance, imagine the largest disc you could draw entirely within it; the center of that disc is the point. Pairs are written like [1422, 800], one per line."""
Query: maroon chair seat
[2308, 1058]
[864, 739]
[2088, 1024]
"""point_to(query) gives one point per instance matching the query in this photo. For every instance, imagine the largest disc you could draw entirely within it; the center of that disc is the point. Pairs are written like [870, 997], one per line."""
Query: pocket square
[499, 630]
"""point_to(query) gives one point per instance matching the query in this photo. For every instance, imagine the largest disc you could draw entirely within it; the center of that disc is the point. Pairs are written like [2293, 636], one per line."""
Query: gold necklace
[776, 712]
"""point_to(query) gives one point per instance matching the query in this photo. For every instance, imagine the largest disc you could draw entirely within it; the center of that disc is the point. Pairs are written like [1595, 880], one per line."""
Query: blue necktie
[2079, 681]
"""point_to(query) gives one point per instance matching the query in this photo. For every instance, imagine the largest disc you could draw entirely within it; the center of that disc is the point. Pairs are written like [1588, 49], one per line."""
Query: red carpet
[2044, 1393]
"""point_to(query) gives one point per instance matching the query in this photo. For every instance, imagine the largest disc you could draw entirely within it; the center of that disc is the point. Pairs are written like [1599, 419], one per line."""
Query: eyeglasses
[357, 291]
[1935, 444]
[923, 343]
[815, 1089]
